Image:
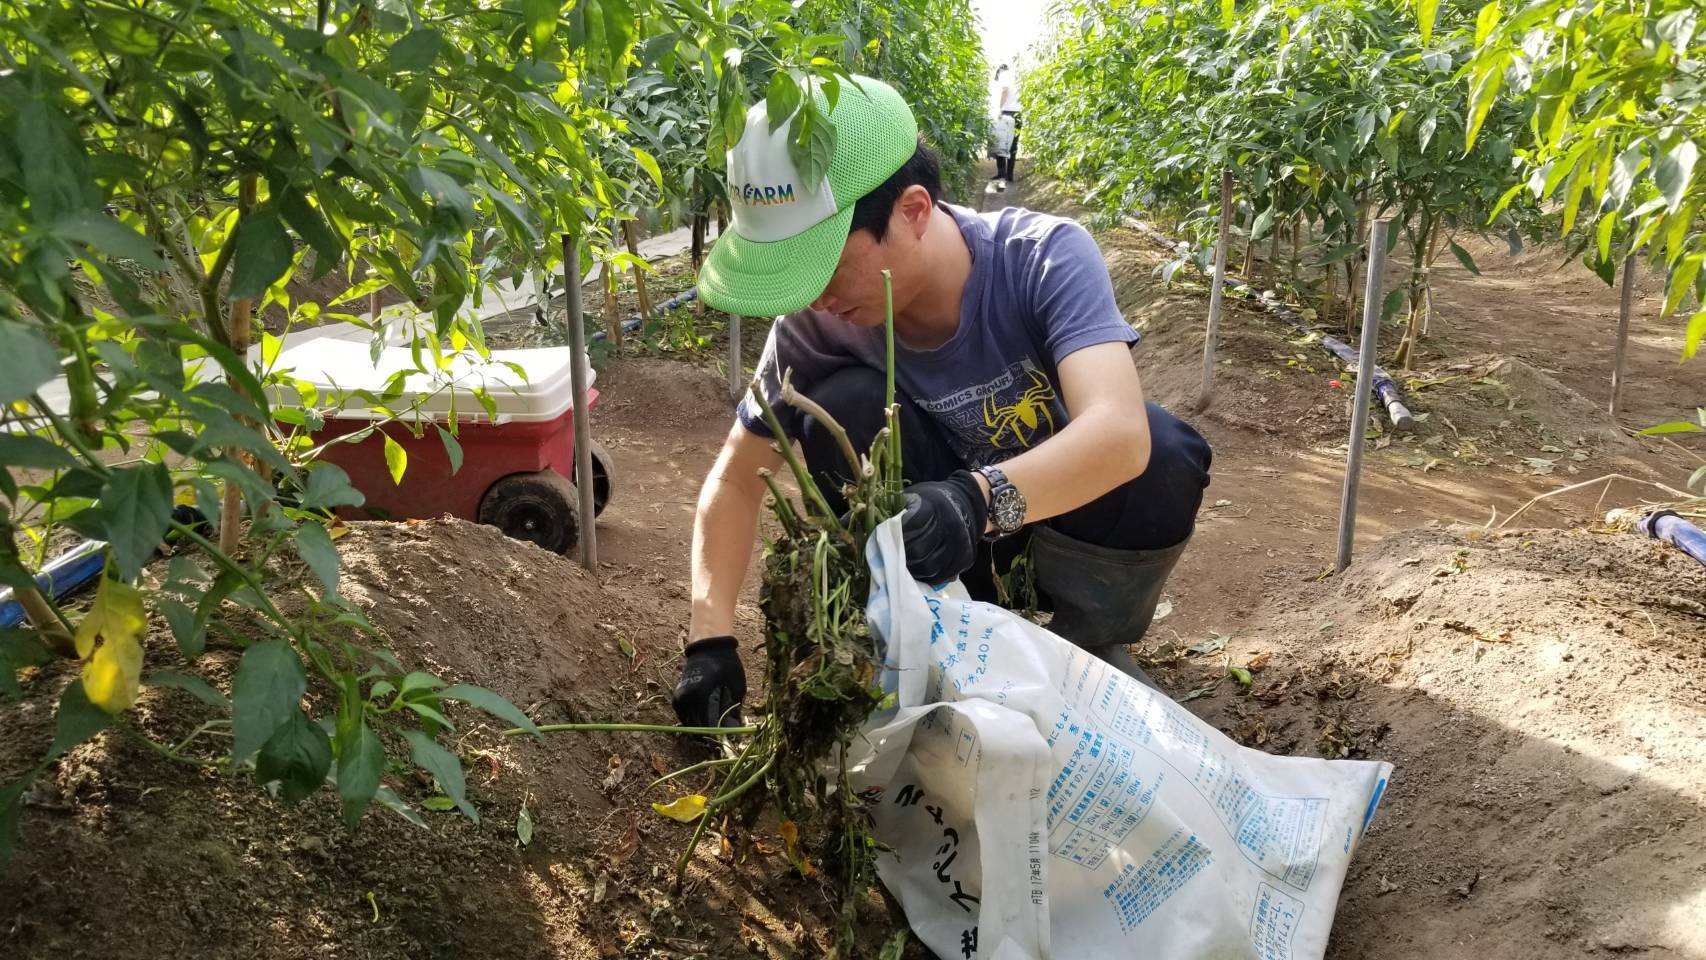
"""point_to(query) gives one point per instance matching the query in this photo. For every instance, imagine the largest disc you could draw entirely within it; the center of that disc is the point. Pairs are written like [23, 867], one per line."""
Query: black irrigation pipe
[1384, 386]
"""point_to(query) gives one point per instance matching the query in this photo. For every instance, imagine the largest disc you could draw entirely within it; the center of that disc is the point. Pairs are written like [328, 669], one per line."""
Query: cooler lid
[524, 384]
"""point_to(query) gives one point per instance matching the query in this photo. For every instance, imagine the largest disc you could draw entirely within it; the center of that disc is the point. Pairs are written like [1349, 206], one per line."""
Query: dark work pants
[1154, 510]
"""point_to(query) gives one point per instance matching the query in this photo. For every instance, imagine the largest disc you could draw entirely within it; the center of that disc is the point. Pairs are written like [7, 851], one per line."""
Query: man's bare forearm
[724, 530]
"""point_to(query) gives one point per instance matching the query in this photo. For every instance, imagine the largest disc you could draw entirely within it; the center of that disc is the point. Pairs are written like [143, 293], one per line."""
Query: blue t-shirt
[1038, 292]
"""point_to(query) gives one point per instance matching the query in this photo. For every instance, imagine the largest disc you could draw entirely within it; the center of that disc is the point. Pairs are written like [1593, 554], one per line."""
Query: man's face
[855, 291]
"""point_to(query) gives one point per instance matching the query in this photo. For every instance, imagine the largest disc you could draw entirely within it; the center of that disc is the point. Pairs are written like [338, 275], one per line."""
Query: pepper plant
[1616, 129]
[167, 170]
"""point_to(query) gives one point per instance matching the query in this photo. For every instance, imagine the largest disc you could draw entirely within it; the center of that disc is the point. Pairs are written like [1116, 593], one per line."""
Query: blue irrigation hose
[633, 323]
[1669, 526]
[67, 574]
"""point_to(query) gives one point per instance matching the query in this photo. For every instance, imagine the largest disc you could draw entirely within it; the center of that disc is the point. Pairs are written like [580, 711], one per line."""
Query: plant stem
[807, 405]
[891, 469]
[634, 728]
[701, 765]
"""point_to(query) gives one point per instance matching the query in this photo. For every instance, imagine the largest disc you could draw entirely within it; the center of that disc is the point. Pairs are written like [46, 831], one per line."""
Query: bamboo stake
[1215, 294]
[632, 235]
[1625, 305]
[238, 326]
[587, 540]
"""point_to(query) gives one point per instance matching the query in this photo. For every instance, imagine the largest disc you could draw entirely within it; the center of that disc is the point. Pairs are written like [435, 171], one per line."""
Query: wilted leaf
[684, 809]
[1214, 644]
[109, 642]
[524, 826]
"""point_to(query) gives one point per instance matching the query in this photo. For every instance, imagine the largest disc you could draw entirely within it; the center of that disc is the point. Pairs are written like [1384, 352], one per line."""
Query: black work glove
[942, 526]
[712, 684]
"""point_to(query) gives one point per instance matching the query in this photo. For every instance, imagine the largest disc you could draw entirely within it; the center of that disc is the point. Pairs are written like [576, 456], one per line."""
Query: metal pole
[1214, 294]
[1624, 308]
[1372, 297]
[737, 378]
[588, 533]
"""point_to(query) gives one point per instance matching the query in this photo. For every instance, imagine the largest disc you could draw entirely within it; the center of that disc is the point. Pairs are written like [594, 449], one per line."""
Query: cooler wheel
[603, 478]
[540, 508]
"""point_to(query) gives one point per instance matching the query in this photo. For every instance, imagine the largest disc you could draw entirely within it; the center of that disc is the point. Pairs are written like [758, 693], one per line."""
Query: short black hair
[873, 210]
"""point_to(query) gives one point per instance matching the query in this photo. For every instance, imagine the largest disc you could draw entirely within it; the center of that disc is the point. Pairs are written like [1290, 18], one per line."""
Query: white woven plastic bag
[1040, 804]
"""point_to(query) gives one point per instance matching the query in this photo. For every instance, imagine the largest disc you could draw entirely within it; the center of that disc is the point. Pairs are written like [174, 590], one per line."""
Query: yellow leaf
[108, 642]
[685, 809]
[790, 832]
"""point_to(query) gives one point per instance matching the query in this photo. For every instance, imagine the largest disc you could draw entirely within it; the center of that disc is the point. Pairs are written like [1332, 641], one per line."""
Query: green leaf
[23, 450]
[418, 682]
[269, 685]
[440, 804]
[1677, 29]
[311, 226]
[1681, 279]
[30, 361]
[1696, 331]
[263, 255]
[19, 649]
[650, 165]
[1426, 11]
[11, 804]
[1464, 258]
[1677, 426]
[490, 702]
[256, 489]
[1228, 13]
[77, 720]
[1484, 94]
[1629, 165]
[109, 238]
[417, 50]
[1392, 304]
[1240, 674]
[452, 449]
[298, 754]
[386, 798]
[1485, 21]
[194, 686]
[1673, 173]
[314, 546]
[360, 764]
[136, 508]
[190, 636]
[541, 16]
[444, 767]
[396, 458]
[329, 487]
[781, 100]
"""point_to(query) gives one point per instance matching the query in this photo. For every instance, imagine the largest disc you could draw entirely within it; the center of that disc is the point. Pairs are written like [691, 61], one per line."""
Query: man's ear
[913, 210]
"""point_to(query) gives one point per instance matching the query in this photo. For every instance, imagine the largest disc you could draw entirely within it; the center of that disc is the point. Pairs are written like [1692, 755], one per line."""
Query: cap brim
[753, 279]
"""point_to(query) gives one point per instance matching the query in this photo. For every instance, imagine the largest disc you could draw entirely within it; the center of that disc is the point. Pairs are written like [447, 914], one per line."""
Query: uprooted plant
[821, 657]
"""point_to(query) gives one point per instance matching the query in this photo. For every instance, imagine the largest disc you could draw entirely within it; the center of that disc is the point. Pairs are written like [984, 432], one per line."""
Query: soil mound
[124, 853]
[1538, 693]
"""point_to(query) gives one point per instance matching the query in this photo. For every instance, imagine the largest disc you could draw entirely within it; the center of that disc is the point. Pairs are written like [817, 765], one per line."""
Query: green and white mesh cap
[785, 240]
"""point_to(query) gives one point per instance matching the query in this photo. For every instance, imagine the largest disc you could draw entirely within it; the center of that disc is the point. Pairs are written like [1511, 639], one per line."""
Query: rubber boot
[1104, 599]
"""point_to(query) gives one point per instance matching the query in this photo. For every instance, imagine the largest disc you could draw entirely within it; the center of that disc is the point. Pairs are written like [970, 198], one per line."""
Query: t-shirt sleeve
[1071, 296]
[769, 376]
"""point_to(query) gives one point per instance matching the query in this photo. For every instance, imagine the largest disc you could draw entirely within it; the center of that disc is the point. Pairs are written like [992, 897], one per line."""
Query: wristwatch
[1006, 504]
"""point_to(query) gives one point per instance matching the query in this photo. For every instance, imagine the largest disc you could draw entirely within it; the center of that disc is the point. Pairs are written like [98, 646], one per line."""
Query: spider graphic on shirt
[1023, 416]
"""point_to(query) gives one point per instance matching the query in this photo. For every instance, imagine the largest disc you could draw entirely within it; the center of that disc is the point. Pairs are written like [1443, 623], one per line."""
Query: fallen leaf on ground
[684, 809]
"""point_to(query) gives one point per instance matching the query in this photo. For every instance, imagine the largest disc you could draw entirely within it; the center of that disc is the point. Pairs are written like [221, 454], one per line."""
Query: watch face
[1009, 509]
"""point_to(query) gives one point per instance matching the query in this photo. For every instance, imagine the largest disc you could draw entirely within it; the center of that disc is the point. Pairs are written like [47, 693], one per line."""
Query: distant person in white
[1006, 125]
